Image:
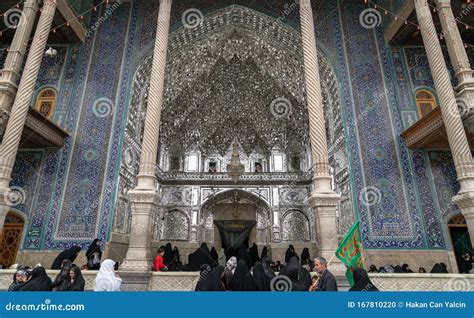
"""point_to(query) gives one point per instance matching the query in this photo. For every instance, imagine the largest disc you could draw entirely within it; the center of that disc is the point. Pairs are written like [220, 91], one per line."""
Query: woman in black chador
[305, 257]
[69, 254]
[302, 279]
[253, 251]
[362, 281]
[168, 257]
[200, 257]
[39, 281]
[210, 279]
[242, 279]
[290, 252]
[75, 281]
[262, 275]
[214, 257]
[94, 255]
[63, 274]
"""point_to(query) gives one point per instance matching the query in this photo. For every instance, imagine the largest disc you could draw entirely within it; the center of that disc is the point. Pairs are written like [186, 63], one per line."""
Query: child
[158, 263]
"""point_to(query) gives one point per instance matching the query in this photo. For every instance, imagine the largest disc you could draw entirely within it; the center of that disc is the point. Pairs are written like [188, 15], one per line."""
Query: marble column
[452, 120]
[460, 62]
[322, 199]
[144, 197]
[19, 111]
[10, 73]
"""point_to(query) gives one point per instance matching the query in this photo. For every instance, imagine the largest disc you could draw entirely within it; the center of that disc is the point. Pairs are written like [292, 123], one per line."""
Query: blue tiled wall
[71, 191]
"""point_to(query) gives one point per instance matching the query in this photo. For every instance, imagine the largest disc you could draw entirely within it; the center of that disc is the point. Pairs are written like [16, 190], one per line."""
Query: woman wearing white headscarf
[106, 280]
[229, 272]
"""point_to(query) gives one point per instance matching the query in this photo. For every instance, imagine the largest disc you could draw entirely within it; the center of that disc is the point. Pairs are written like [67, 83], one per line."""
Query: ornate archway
[235, 205]
[264, 58]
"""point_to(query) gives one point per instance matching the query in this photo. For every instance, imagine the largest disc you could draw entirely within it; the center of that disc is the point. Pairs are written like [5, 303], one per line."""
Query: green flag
[350, 251]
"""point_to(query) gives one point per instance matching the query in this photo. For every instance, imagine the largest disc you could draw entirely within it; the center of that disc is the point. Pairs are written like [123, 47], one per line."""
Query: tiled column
[451, 117]
[13, 131]
[460, 62]
[144, 197]
[322, 199]
[9, 75]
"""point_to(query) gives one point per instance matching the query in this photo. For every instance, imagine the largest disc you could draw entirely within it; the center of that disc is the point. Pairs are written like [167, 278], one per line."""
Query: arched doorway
[232, 218]
[460, 239]
[10, 239]
[222, 83]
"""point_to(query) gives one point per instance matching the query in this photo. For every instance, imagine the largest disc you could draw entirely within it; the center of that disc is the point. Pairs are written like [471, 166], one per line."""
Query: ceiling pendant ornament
[235, 168]
[224, 80]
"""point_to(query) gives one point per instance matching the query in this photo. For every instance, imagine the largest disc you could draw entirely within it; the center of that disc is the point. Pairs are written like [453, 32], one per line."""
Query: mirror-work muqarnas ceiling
[237, 75]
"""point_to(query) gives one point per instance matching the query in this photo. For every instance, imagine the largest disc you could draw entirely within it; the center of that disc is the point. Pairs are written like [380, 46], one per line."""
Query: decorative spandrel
[175, 226]
[295, 227]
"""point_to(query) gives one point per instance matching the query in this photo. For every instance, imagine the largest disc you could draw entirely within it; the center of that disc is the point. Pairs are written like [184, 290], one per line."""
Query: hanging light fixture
[235, 169]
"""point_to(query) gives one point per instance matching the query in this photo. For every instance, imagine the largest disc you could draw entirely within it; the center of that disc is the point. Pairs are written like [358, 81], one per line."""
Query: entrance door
[10, 239]
[461, 240]
[234, 233]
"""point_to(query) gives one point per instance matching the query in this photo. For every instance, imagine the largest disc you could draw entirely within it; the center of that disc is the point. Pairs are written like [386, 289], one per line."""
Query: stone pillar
[10, 74]
[322, 199]
[14, 128]
[450, 113]
[144, 197]
[459, 60]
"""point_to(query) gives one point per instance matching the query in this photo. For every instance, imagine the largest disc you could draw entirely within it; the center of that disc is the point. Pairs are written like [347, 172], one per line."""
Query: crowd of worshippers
[405, 268]
[244, 269]
[168, 258]
[69, 278]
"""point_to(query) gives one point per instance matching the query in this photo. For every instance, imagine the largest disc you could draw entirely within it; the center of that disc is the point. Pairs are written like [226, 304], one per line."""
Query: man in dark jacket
[327, 281]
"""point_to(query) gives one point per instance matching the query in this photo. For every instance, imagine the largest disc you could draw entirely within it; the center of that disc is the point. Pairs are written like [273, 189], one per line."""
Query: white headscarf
[231, 264]
[106, 279]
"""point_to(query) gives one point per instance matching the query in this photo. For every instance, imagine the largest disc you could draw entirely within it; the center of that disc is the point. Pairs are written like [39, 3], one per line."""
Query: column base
[144, 204]
[324, 205]
[135, 281]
